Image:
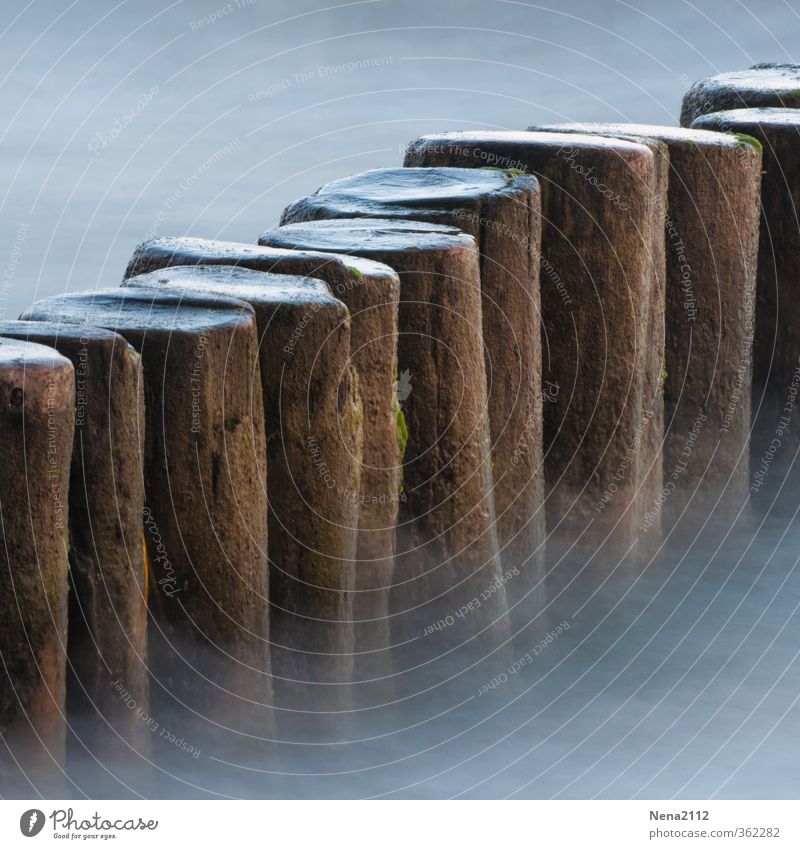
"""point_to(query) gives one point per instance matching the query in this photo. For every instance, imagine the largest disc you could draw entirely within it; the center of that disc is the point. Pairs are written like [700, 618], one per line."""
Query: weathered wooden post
[776, 351]
[107, 640]
[313, 416]
[37, 398]
[370, 291]
[711, 237]
[502, 211]
[765, 84]
[447, 553]
[602, 335]
[205, 516]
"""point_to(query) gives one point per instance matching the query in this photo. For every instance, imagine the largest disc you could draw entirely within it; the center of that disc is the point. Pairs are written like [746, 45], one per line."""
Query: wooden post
[447, 542]
[370, 291]
[37, 398]
[776, 351]
[313, 416]
[205, 516]
[711, 237]
[107, 640]
[766, 84]
[601, 334]
[502, 211]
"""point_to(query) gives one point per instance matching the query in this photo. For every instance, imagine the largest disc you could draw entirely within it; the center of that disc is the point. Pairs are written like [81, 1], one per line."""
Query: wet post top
[257, 288]
[338, 272]
[410, 193]
[136, 315]
[370, 237]
[674, 137]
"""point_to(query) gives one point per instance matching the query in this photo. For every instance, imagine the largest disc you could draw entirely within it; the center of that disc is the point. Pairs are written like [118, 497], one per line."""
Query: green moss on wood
[743, 140]
[401, 428]
[509, 172]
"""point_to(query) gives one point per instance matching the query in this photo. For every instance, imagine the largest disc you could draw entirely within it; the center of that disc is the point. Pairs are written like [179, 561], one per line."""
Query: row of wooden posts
[583, 324]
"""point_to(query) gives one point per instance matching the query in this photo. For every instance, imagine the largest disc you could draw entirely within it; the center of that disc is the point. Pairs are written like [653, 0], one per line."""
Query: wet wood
[711, 237]
[601, 330]
[776, 349]
[447, 542]
[37, 398]
[107, 641]
[313, 415]
[501, 210]
[370, 291]
[205, 516]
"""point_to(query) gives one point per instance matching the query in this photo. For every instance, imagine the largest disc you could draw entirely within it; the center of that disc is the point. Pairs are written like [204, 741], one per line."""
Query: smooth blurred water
[681, 680]
[675, 678]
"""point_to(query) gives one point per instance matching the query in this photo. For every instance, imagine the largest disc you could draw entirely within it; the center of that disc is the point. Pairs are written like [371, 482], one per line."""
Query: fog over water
[676, 677]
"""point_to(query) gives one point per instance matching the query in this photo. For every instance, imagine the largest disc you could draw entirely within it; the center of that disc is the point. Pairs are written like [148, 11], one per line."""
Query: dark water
[678, 677]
